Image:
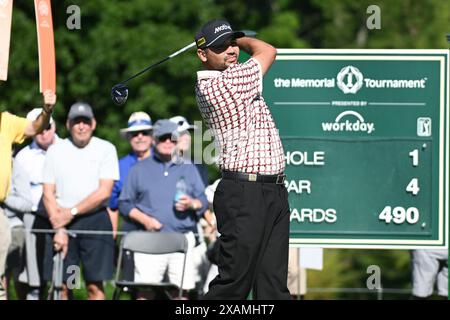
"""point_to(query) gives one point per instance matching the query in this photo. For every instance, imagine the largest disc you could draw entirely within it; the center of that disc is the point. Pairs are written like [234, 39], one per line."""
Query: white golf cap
[33, 114]
[138, 121]
[183, 124]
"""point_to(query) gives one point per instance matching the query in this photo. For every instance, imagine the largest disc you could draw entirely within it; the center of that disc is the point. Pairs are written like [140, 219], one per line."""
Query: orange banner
[44, 26]
[5, 35]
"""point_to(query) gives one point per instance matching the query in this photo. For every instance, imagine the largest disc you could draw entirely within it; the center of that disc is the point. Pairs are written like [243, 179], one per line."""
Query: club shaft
[159, 62]
[182, 50]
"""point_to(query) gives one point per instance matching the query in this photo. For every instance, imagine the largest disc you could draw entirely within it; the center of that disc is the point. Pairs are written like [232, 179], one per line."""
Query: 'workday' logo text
[349, 125]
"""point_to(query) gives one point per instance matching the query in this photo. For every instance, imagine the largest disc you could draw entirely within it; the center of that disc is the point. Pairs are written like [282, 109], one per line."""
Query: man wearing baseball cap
[14, 129]
[79, 173]
[184, 145]
[150, 199]
[251, 202]
[31, 159]
[139, 135]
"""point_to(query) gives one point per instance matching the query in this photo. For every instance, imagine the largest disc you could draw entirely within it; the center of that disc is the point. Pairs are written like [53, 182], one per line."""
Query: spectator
[148, 197]
[184, 150]
[184, 145]
[16, 204]
[14, 129]
[139, 135]
[209, 224]
[429, 266]
[79, 174]
[31, 159]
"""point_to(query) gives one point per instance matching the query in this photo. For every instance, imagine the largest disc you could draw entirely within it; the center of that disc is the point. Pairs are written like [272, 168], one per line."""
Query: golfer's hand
[151, 224]
[185, 203]
[61, 241]
[49, 100]
[61, 219]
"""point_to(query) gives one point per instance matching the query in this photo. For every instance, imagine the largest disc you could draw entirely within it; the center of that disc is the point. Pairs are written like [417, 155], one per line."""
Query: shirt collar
[208, 74]
[34, 144]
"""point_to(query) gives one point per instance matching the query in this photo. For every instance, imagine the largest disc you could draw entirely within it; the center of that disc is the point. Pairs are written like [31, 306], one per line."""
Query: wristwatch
[74, 211]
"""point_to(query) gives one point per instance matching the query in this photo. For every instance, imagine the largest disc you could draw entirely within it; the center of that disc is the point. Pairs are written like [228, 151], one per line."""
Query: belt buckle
[280, 179]
[252, 177]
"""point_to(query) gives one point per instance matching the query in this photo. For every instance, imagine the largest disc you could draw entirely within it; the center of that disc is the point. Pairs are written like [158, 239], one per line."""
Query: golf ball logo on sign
[349, 79]
[424, 127]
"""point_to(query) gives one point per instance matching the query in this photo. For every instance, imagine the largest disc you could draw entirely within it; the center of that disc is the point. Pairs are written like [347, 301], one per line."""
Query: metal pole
[57, 275]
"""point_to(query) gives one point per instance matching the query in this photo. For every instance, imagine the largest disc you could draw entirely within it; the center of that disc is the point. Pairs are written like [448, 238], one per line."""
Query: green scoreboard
[365, 135]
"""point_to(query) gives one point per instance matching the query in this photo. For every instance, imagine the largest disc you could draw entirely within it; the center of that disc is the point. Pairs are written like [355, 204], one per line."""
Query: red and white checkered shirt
[232, 106]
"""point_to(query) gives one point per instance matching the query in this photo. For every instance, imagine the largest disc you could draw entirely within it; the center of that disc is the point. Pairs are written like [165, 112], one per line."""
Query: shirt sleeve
[14, 127]
[109, 169]
[19, 198]
[129, 193]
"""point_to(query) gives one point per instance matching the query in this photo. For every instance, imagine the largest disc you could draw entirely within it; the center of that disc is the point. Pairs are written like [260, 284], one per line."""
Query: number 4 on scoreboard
[413, 186]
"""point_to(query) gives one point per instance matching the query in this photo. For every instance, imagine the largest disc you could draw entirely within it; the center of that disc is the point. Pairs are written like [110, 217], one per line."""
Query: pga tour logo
[355, 123]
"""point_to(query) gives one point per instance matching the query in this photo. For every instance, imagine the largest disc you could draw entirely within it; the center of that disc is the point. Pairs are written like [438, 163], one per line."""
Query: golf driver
[119, 93]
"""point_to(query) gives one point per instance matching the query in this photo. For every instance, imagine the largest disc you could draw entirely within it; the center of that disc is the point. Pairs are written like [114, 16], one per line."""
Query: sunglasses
[224, 46]
[165, 138]
[136, 133]
[78, 120]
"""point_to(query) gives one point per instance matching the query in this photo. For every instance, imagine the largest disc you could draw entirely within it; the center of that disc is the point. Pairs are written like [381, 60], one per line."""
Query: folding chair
[149, 243]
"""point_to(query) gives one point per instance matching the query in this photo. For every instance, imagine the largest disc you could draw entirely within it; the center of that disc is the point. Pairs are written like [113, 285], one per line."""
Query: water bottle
[181, 189]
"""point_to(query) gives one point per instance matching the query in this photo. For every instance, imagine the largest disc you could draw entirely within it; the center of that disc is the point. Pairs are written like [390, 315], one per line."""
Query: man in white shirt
[31, 159]
[79, 173]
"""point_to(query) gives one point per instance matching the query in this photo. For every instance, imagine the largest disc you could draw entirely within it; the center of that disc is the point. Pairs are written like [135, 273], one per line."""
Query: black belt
[254, 177]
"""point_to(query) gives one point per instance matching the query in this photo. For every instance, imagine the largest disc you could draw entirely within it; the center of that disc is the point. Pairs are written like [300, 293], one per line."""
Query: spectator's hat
[182, 123]
[165, 127]
[214, 33]
[138, 121]
[33, 114]
[80, 109]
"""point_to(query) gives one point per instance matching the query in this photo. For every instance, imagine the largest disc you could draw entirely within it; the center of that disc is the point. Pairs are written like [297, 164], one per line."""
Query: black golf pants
[253, 221]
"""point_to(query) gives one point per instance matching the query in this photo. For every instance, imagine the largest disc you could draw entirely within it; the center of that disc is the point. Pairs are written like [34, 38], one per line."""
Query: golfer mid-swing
[251, 201]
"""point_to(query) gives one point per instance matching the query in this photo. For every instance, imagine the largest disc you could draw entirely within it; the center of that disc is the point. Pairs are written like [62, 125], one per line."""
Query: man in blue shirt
[148, 198]
[139, 135]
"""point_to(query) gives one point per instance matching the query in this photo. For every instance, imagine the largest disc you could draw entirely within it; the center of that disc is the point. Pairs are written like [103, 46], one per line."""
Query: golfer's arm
[260, 50]
[96, 198]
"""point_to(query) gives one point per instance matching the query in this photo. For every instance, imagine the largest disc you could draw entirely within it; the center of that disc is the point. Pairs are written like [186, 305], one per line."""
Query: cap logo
[221, 28]
[201, 41]
[81, 108]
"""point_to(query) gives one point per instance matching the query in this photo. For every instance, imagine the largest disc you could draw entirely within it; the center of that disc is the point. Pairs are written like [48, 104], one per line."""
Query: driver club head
[119, 94]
